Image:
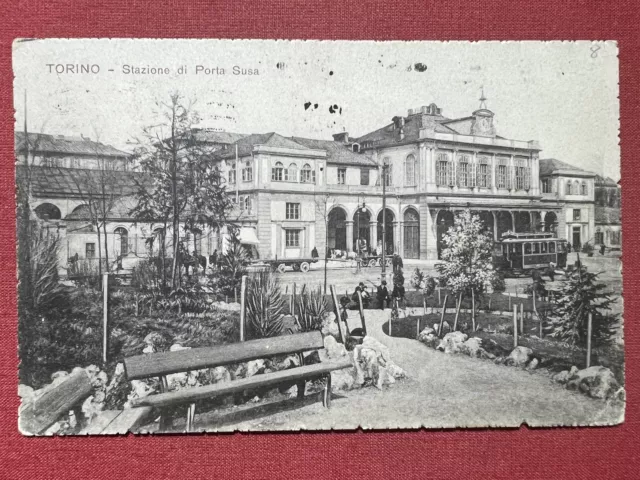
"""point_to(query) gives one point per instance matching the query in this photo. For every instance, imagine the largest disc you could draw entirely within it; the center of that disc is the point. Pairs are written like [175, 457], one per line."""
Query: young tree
[184, 184]
[467, 255]
[323, 207]
[581, 295]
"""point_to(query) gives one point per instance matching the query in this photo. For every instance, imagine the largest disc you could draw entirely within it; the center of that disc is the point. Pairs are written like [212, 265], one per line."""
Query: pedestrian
[382, 294]
[396, 262]
[602, 249]
[551, 271]
[398, 293]
[314, 253]
[213, 260]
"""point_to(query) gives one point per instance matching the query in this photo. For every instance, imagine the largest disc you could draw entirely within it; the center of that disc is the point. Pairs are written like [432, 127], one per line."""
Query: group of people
[384, 298]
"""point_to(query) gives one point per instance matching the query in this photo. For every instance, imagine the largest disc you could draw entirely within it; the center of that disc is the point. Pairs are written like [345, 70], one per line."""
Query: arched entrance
[486, 218]
[444, 221]
[337, 230]
[551, 222]
[505, 224]
[411, 233]
[523, 221]
[48, 211]
[388, 230]
[361, 229]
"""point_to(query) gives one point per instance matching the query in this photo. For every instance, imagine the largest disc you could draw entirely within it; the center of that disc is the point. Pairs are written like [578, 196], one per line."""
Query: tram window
[518, 248]
[543, 247]
[552, 247]
[536, 247]
[527, 249]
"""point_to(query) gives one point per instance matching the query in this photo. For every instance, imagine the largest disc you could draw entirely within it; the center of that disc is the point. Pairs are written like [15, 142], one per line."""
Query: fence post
[522, 318]
[509, 300]
[105, 315]
[293, 300]
[439, 297]
[515, 326]
[589, 326]
[243, 292]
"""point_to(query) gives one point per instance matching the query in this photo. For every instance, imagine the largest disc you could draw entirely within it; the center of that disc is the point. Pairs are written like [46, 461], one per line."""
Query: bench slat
[127, 421]
[165, 363]
[191, 395]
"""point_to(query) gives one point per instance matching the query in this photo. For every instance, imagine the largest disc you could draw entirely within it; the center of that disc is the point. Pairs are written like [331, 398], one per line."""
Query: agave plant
[265, 305]
[311, 306]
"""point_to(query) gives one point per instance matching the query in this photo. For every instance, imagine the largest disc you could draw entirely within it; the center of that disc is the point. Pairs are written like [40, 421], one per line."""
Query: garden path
[440, 391]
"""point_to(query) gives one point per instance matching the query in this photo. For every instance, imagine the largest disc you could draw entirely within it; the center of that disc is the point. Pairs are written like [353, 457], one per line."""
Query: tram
[521, 252]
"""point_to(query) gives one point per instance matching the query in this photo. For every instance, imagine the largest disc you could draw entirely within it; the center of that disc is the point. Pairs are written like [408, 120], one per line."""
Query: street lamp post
[385, 166]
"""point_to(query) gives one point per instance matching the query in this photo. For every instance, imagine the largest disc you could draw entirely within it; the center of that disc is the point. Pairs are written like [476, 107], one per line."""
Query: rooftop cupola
[483, 120]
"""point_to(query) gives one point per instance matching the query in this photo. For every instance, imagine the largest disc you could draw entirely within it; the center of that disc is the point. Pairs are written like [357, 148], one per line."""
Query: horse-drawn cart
[297, 264]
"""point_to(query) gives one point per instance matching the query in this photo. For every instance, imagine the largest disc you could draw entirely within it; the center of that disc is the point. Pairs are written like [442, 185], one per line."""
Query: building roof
[66, 145]
[215, 136]
[271, 139]
[337, 152]
[607, 215]
[605, 182]
[53, 181]
[122, 208]
[553, 166]
[411, 129]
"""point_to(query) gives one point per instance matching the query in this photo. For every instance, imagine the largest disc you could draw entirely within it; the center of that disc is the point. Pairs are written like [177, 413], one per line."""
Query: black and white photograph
[284, 235]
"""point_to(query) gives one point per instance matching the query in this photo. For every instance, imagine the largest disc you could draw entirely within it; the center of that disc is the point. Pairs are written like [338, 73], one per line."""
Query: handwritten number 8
[594, 51]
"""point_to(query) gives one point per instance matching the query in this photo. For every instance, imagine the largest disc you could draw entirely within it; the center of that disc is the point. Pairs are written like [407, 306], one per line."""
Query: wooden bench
[38, 414]
[165, 363]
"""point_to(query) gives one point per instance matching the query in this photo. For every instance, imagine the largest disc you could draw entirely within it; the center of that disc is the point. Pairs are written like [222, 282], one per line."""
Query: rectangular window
[292, 238]
[232, 173]
[501, 179]
[463, 173]
[484, 175]
[410, 171]
[307, 175]
[342, 176]
[388, 175]
[576, 214]
[546, 185]
[442, 173]
[90, 250]
[293, 211]
[364, 176]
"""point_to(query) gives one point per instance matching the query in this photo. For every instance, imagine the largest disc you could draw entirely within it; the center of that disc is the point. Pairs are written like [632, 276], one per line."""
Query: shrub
[228, 279]
[497, 283]
[311, 306]
[265, 305]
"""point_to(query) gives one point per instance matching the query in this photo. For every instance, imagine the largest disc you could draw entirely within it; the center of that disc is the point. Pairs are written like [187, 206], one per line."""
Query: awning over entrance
[247, 236]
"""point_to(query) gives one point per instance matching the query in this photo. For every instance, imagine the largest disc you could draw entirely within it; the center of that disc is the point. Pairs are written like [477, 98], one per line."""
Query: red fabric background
[541, 453]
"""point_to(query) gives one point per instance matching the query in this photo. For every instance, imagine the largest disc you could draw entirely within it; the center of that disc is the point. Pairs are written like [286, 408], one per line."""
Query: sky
[563, 94]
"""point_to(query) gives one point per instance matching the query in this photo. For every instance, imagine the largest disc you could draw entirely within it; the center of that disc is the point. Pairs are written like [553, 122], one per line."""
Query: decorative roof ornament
[483, 99]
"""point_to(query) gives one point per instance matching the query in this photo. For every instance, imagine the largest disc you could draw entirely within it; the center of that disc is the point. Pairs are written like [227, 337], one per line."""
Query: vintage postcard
[220, 235]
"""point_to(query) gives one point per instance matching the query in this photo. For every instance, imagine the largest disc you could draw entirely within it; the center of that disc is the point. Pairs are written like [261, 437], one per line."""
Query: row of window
[247, 172]
[291, 174]
[106, 163]
[572, 187]
[469, 174]
[612, 237]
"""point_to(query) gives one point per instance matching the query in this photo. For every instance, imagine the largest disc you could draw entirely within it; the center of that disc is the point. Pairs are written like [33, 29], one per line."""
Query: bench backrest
[165, 363]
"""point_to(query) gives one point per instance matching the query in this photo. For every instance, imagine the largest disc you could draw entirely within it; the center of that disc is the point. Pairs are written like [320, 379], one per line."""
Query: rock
[573, 371]
[149, 349]
[430, 340]
[255, 367]
[395, 371]
[561, 377]
[381, 350]
[598, 382]
[519, 356]
[533, 364]
[91, 408]
[452, 342]
[59, 374]
[343, 379]
[176, 381]
[426, 333]
[26, 393]
[139, 389]
[329, 326]
[291, 361]
[219, 375]
[472, 347]
[176, 347]
[499, 360]
[333, 349]
[154, 339]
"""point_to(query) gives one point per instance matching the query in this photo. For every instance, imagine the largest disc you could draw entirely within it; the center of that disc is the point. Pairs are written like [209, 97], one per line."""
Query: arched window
[291, 173]
[122, 241]
[583, 188]
[568, 190]
[444, 170]
[277, 172]
[246, 206]
[483, 177]
[576, 188]
[464, 171]
[307, 174]
[247, 171]
[48, 211]
[232, 172]
[410, 171]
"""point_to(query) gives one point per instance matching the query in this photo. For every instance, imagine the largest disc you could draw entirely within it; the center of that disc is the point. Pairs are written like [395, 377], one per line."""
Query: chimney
[410, 112]
[342, 137]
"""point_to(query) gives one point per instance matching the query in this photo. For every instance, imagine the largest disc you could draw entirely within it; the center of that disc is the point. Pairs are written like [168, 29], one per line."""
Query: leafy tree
[467, 253]
[581, 295]
[184, 184]
[423, 283]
